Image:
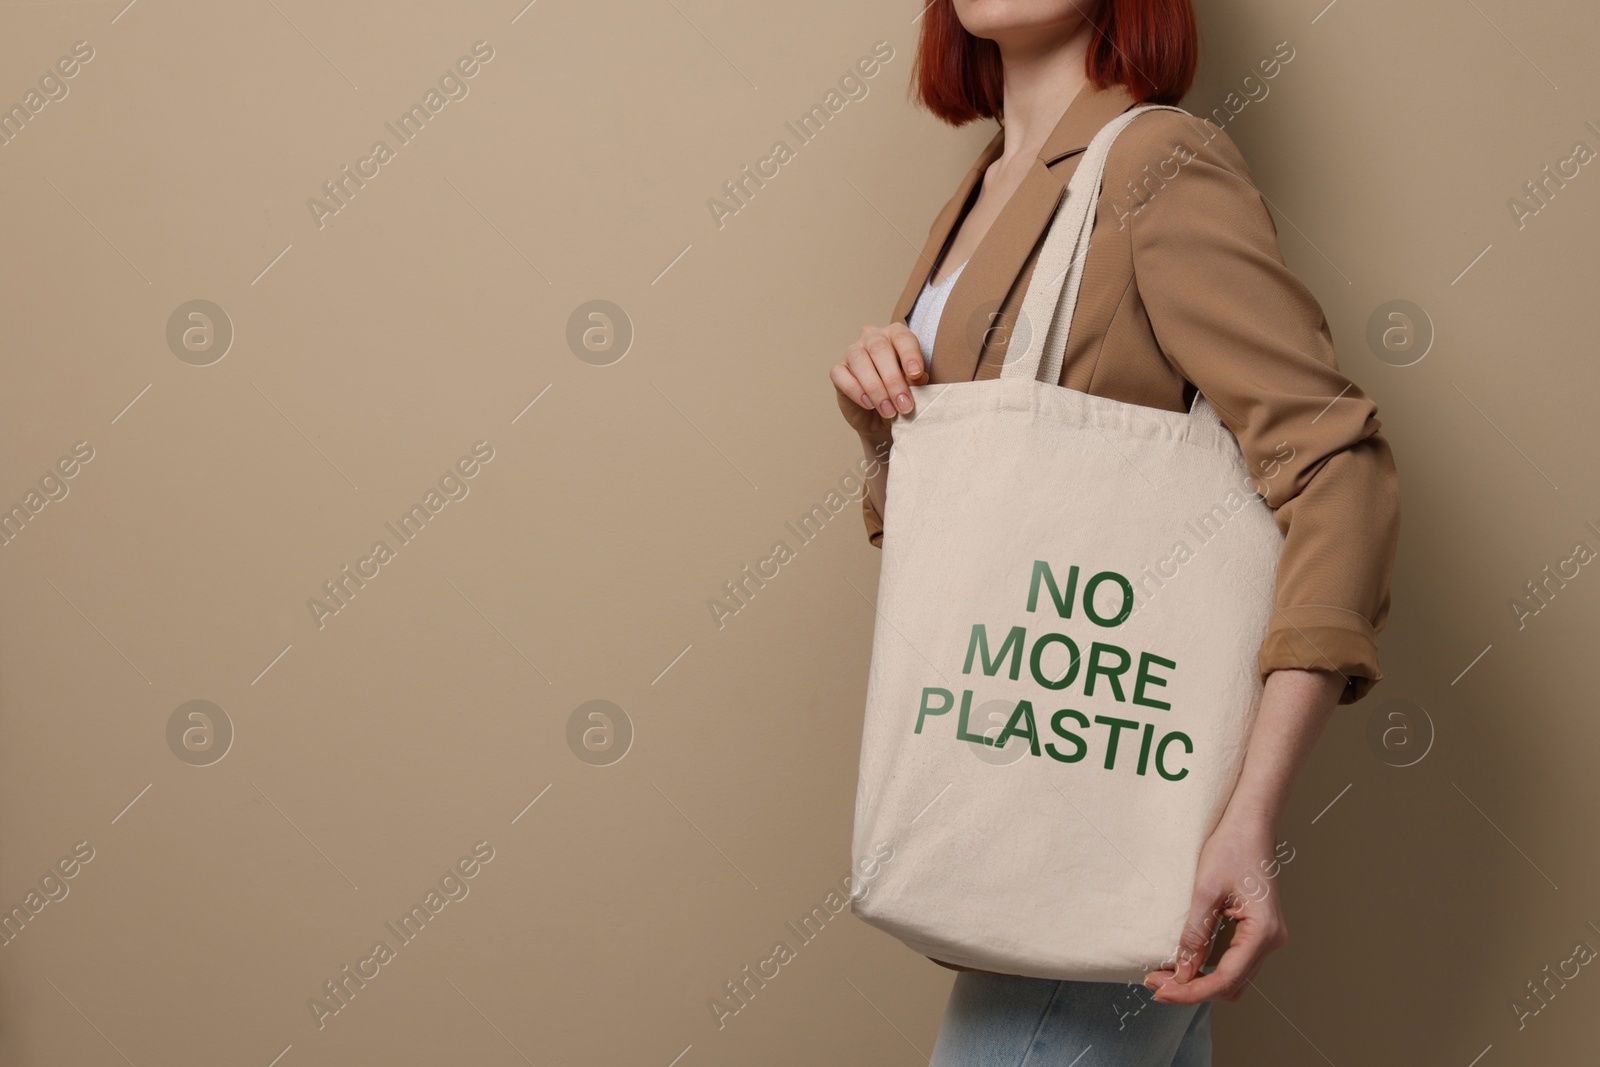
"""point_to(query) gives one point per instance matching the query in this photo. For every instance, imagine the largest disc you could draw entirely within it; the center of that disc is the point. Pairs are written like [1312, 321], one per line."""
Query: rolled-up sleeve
[1241, 327]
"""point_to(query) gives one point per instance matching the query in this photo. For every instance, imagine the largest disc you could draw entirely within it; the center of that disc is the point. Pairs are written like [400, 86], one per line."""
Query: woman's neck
[1040, 83]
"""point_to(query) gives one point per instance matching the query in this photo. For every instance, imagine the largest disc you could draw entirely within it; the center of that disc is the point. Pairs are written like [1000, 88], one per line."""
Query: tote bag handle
[1053, 290]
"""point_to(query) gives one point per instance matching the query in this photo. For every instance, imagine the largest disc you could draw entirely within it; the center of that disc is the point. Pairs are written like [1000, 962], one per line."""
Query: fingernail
[903, 402]
[914, 368]
[866, 401]
[887, 409]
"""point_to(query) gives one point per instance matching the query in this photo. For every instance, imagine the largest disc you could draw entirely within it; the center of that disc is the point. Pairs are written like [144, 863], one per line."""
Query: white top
[925, 313]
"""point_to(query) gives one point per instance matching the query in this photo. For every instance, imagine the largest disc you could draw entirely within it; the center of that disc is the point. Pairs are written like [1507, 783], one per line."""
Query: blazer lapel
[967, 332]
[944, 228]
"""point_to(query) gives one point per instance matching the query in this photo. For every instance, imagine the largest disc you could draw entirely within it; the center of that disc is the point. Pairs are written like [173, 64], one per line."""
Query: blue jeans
[1007, 1021]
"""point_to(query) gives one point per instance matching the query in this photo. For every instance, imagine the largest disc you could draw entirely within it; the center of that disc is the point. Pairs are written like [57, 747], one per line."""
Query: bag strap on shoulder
[1053, 290]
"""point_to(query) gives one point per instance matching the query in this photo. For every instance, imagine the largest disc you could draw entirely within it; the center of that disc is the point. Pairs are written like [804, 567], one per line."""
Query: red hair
[1148, 46]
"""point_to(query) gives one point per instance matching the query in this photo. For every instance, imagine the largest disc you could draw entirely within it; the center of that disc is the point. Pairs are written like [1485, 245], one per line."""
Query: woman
[1184, 288]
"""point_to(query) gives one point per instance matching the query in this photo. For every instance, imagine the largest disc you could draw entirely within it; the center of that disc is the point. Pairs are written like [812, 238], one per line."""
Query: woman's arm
[1237, 323]
[1234, 320]
[1239, 861]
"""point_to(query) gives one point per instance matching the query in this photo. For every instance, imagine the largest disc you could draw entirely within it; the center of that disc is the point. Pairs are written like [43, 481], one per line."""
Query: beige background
[369, 355]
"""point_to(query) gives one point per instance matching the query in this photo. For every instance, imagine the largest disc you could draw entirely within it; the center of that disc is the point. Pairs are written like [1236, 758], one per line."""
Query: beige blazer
[1185, 288]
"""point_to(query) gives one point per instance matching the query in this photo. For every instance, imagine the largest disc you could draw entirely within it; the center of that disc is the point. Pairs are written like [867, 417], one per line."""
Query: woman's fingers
[886, 357]
[847, 383]
[865, 369]
[879, 369]
[910, 350]
[1206, 909]
[1256, 937]
[1226, 887]
[1237, 966]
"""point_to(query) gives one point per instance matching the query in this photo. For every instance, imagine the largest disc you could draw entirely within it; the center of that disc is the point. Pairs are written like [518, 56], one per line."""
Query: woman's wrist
[1294, 708]
[1250, 820]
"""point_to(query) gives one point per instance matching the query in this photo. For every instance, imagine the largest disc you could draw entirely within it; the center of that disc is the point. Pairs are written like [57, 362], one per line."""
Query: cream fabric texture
[1053, 830]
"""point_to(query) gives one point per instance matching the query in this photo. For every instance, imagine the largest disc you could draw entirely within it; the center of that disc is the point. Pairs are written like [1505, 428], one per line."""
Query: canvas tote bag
[1063, 676]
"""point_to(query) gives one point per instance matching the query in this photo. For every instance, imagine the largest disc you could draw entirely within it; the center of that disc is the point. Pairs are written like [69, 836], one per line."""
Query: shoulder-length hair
[1149, 46]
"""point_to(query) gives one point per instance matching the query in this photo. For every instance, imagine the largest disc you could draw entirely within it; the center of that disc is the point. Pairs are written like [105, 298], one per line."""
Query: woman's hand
[1233, 881]
[874, 377]
[1238, 862]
